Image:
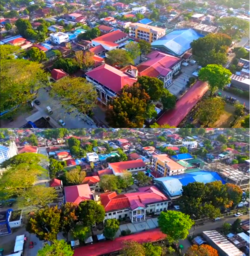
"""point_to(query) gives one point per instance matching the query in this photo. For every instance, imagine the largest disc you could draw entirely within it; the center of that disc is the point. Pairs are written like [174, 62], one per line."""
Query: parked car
[218, 218]
[192, 62]
[37, 102]
[61, 122]
[185, 64]
[238, 214]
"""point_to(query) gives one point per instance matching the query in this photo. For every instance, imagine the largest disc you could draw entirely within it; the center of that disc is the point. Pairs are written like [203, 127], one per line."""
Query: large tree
[45, 223]
[145, 47]
[85, 60]
[77, 92]
[119, 58]
[132, 248]
[109, 182]
[90, 212]
[8, 51]
[70, 66]
[23, 25]
[210, 110]
[152, 250]
[175, 225]
[202, 250]
[20, 81]
[142, 178]
[216, 76]
[168, 100]
[58, 247]
[75, 176]
[129, 110]
[234, 193]
[55, 166]
[90, 34]
[35, 54]
[245, 122]
[211, 49]
[234, 26]
[133, 48]
[111, 226]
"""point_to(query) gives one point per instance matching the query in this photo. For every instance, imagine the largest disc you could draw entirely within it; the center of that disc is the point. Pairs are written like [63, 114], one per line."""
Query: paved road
[73, 120]
[209, 226]
[243, 42]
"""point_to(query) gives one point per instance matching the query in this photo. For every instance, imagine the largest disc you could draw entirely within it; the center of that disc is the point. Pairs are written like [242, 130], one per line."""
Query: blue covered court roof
[172, 185]
[184, 156]
[145, 21]
[178, 41]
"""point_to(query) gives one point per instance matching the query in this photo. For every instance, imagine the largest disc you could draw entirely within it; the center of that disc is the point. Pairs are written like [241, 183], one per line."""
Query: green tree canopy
[132, 248]
[77, 92]
[90, 34]
[216, 76]
[145, 47]
[8, 51]
[236, 226]
[109, 182]
[35, 54]
[111, 227]
[90, 212]
[58, 247]
[142, 178]
[245, 122]
[152, 250]
[70, 66]
[75, 176]
[175, 224]
[210, 110]
[133, 49]
[119, 57]
[55, 166]
[81, 232]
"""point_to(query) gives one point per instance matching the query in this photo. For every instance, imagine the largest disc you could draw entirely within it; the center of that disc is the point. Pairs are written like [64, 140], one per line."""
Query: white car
[192, 62]
[195, 74]
[61, 122]
[238, 214]
[185, 64]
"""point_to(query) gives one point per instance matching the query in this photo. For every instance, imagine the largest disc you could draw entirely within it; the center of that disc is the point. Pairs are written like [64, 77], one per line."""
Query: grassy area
[226, 117]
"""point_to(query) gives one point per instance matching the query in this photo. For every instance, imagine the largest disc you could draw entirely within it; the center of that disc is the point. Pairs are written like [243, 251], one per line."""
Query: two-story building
[134, 205]
[133, 166]
[165, 166]
[160, 65]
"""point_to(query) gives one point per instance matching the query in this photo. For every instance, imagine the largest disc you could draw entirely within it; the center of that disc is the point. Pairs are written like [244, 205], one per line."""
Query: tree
[119, 57]
[226, 228]
[183, 150]
[37, 196]
[239, 109]
[8, 26]
[20, 80]
[210, 110]
[90, 212]
[109, 182]
[88, 60]
[68, 218]
[223, 147]
[59, 247]
[31, 34]
[80, 232]
[236, 226]
[133, 49]
[152, 250]
[123, 156]
[90, 34]
[222, 138]
[210, 211]
[201, 250]
[129, 110]
[11, 14]
[168, 100]
[55, 167]
[43, 28]
[125, 180]
[142, 179]
[175, 224]
[111, 226]
[32, 140]
[77, 92]
[70, 66]
[45, 223]
[216, 76]
[234, 26]
[211, 49]
[234, 193]
[245, 122]
[75, 176]
[132, 248]
[241, 52]
[22, 25]
[145, 47]
[73, 142]
[35, 54]
[8, 51]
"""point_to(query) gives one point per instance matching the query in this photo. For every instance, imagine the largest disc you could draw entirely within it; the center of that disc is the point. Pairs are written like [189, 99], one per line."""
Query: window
[109, 214]
[114, 213]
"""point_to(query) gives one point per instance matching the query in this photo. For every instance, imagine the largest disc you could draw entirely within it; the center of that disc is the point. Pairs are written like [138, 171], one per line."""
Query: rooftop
[121, 166]
[171, 163]
[152, 28]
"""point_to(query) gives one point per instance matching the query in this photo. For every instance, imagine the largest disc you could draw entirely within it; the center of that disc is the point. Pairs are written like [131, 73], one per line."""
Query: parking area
[179, 84]
[138, 227]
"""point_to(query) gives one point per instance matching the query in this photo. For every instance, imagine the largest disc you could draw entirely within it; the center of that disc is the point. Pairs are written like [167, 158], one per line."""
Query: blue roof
[178, 41]
[173, 184]
[145, 21]
[47, 46]
[6, 40]
[184, 156]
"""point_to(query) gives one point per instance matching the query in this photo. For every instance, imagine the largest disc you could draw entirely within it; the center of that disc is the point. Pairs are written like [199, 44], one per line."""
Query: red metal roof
[77, 194]
[105, 28]
[91, 180]
[105, 171]
[119, 167]
[111, 201]
[107, 247]
[97, 49]
[17, 41]
[55, 183]
[58, 74]
[110, 77]
[184, 105]
[173, 148]
[70, 162]
[28, 149]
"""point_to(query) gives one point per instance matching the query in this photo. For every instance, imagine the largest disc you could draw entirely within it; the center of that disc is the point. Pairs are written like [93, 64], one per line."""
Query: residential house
[105, 29]
[77, 194]
[134, 156]
[110, 41]
[93, 182]
[190, 144]
[74, 15]
[148, 150]
[122, 141]
[57, 74]
[160, 65]
[92, 157]
[175, 138]
[58, 186]
[98, 50]
[63, 155]
[134, 206]
[134, 166]
[59, 37]
[28, 149]
[165, 166]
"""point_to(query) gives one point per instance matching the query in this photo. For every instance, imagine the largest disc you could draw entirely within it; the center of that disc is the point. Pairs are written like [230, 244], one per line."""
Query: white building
[190, 144]
[141, 10]
[59, 37]
[92, 157]
[15, 219]
[7, 152]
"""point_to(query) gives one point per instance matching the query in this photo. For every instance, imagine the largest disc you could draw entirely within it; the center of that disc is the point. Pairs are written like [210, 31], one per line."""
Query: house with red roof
[28, 149]
[160, 65]
[63, 155]
[112, 40]
[106, 171]
[134, 156]
[17, 42]
[133, 166]
[55, 183]
[134, 205]
[98, 50]
[108, 81]
[93, 182]
[57, 74]
[175, 137]
[74, 15]
[149, 149]
[120, 6]
[77, 194]
[105, 29]
[70, 162]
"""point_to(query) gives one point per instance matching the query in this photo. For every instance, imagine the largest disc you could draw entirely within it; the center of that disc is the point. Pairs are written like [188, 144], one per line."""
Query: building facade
[59, 38]
[165, 166]
[146, 32]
